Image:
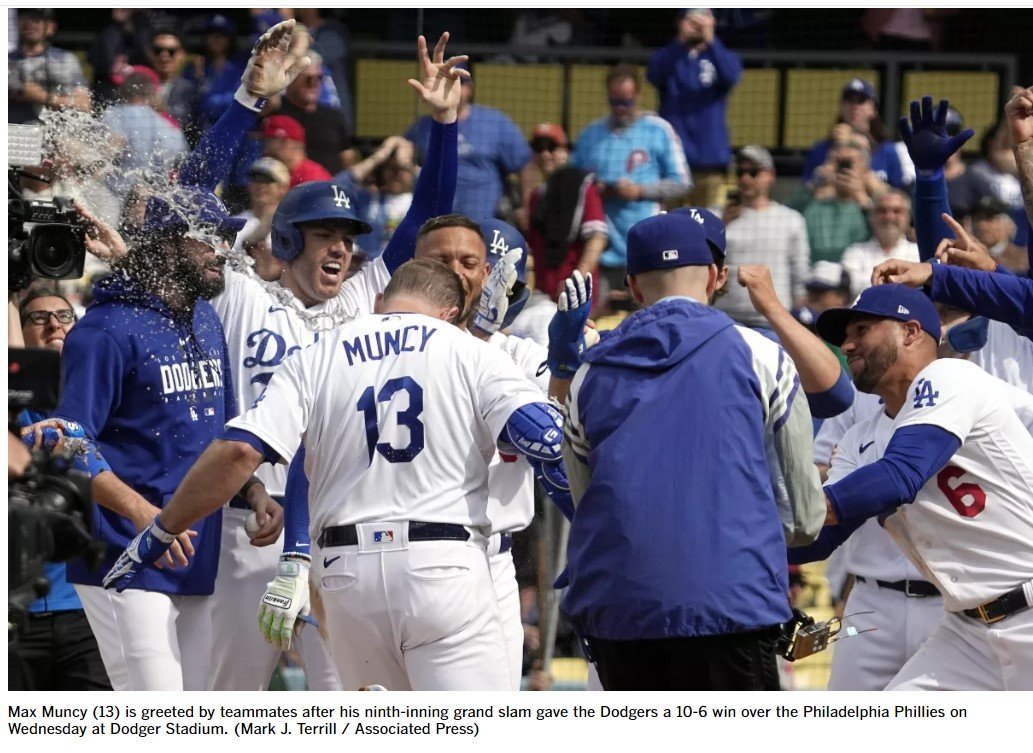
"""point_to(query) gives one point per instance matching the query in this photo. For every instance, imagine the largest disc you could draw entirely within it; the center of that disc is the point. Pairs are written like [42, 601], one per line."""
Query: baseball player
[947, 468]
[400, 413]
[313, 233]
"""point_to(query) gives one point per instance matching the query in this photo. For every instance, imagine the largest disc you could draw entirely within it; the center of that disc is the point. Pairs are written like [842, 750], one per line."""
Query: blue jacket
[677, 533]
[153, 389]
[885, 162]
[693, 93]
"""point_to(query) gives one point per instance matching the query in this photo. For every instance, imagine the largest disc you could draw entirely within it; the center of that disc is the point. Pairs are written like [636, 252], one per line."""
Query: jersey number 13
[409, 418]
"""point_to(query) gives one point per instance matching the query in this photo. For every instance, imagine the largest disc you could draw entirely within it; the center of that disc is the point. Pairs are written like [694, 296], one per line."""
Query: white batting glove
[285, 599]
[276, 60]
[491, 310]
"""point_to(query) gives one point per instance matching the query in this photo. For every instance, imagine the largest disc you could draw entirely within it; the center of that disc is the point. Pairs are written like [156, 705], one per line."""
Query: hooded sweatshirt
[153, 389]
[685, 491]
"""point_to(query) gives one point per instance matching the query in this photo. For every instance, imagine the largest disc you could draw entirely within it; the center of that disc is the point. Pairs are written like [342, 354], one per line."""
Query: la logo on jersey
[498, 244]
[924, 394]
[340, 197]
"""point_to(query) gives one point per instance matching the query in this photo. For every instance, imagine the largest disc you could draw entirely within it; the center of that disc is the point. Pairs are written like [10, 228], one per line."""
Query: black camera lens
[54, 252]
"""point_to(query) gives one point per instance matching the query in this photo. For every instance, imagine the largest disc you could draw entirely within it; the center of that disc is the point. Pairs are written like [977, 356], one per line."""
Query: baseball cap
[826, 275]
[283, 127]
[549, 132]
[990, 206]
[271, 168]
[191, 210]
[46, 14]
[713, 227]
[897, 302]
[667, 241]
[954, 122]
[859, 86]
[758, 155]
[220, 24]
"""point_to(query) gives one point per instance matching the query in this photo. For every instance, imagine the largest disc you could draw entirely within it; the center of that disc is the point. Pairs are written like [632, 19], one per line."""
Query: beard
[876, 362]
[189, 278]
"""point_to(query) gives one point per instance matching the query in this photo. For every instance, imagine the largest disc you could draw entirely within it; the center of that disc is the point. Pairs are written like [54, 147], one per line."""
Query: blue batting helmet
[712, 226]
[499, 238]
[185, 208]
[311, 202]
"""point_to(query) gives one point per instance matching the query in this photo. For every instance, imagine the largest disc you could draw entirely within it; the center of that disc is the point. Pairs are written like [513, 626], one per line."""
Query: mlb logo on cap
[670, 254]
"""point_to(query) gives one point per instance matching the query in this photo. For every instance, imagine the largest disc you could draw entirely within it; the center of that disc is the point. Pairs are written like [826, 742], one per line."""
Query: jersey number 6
[409, 418]
[956, 494]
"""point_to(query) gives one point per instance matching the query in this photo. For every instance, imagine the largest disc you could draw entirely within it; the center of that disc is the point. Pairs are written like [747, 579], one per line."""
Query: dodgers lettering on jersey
[190, 376]
[400, 415]
[262, 333]
[970, 528]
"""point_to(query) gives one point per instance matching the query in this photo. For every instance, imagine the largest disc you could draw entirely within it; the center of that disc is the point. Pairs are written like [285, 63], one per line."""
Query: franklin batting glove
[146, 549]
[494, 303]
[567, 328]
[276, 60]
[285, 599]
[926, 137]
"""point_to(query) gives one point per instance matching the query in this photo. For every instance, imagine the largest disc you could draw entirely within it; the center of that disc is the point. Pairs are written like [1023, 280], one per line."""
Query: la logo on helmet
[341, 198]
[498, 243]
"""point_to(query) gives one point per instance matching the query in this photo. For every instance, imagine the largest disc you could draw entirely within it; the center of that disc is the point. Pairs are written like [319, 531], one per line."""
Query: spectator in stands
[993, 226]
[567, 224]
[257, 243]
[694, 75]
[491, 147]
[269, 181]
[123, 42]
[174, 95]
[217, 71]
[382, 185]
[330, 40]
[834, 203]
[995, 175]
[147, 140]
[284, 139]
[858, 109]
[638, 162]
[827, 286]
[39, 75]
[889, 220]
[762, 231]
[328, 135]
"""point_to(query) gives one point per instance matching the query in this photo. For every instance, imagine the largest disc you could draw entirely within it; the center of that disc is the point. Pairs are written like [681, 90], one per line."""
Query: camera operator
[56, 649]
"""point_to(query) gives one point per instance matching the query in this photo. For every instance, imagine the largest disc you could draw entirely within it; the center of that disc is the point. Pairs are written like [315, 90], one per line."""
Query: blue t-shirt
[645, 152]
[490, 147]
[885, 162]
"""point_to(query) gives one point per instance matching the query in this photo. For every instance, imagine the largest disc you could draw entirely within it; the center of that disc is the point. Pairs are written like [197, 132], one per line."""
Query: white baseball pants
[503, 577]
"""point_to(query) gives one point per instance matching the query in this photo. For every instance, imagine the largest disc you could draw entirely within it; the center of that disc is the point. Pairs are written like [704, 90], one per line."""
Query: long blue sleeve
[1005, 298]
[727, 63]
[295, 508]
[914, 455]
[661, 64]
[433, 195]
[930, 203]
[834, 400]
[828, 541]
[210, 162]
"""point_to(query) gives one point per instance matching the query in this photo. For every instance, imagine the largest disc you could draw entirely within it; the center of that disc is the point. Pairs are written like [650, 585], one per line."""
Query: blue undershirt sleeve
[211, 160]
[930, 203]
[830, 539]
[1005, 298]
[834, 400]
[240, 435]
[295, 508]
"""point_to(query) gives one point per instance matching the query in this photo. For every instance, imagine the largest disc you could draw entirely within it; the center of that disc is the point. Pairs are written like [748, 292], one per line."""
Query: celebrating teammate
[400, 413]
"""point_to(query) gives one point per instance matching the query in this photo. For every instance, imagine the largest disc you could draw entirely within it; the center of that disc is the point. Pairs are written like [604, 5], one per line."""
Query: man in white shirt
[889, 219]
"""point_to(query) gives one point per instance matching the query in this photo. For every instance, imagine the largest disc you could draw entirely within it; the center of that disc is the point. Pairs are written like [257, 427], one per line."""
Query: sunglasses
[40, 318]
[615, 102]
[158, 51]
[539, 147]
[311, 79]
[753, 172]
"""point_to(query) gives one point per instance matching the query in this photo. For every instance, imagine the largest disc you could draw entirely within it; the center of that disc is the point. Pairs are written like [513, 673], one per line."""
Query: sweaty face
[317, 273]
[870, 348]
[463, 251]
[50, 334]
[198, 272]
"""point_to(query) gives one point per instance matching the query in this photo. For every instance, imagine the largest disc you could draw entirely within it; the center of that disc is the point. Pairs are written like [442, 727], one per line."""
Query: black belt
[418, 531]
[505, 542]
[239, 503]
[918, 589]
[1001, 607]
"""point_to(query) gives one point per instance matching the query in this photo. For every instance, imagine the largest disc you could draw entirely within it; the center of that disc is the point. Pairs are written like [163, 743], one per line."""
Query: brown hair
[622, 71]
[427, 279]
[447, 220]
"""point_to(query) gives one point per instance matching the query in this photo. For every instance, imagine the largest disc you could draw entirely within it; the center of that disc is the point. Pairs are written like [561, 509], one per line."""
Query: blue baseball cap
[666, 241]
[712, 226]
[860, 86]
[187, 207]
[897, 302]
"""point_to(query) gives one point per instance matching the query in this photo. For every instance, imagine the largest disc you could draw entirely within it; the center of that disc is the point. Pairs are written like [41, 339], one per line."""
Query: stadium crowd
[154, 116]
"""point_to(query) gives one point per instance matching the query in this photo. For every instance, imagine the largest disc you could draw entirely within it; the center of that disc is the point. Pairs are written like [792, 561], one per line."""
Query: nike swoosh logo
[274, 309]
[866, 446]
[332, 560]
[300, 543]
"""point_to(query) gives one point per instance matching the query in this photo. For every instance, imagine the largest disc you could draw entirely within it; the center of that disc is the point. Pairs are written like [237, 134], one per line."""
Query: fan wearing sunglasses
[174, 94]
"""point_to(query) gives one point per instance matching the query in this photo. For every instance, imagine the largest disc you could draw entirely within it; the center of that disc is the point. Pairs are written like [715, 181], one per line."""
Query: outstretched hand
[100, 239]
[926, 136]
[896, 271]
[1019, 113]
[441, 88]
[276, 60]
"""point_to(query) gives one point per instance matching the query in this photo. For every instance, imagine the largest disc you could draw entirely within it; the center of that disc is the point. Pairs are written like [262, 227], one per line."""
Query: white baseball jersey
[970, 527]
[1007, 355]
[400, 415]
[510, 479]
[262, 331]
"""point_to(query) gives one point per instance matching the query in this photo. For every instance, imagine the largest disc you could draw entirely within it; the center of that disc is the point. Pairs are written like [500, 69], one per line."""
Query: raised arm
[1019, 112]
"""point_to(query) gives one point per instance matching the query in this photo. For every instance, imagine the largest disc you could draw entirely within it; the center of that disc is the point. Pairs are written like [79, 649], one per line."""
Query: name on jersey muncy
[189, 376]
[378, 345]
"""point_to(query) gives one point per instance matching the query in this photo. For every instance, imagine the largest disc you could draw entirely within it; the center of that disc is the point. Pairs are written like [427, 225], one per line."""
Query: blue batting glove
[146, 549]
[926, 137]
[566, 330]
